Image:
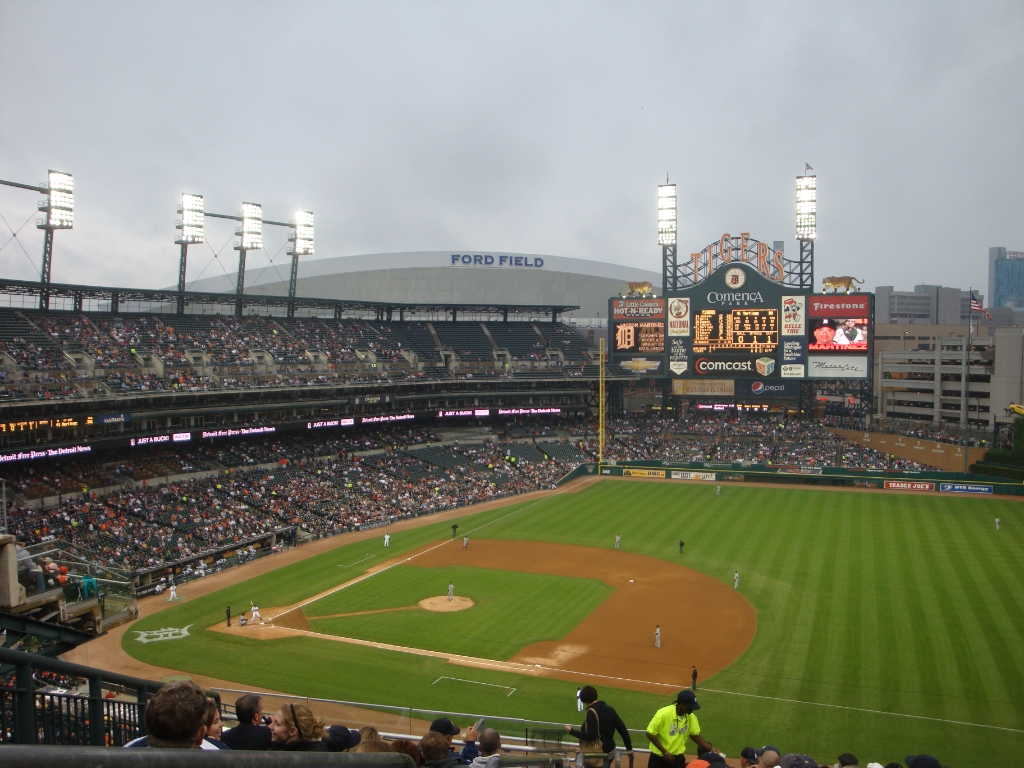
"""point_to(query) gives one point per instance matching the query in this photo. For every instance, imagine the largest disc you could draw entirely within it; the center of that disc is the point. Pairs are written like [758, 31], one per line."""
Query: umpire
[669, 729]
[600, 722]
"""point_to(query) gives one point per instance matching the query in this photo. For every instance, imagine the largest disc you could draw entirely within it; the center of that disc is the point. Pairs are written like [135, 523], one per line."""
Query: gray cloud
[521, 127]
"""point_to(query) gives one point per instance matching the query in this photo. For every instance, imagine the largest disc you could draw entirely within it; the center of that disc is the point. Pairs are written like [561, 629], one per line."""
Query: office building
[925, 305]
[1006, 278]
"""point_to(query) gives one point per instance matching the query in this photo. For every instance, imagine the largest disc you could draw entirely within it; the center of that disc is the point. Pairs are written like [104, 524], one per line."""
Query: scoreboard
[737, 330]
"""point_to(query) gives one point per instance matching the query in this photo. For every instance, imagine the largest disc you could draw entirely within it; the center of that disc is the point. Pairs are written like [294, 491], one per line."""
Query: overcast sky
[528, 127]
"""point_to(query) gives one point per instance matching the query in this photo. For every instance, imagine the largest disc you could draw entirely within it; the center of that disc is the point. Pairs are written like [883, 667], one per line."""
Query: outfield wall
[945, 456]
[881, 479]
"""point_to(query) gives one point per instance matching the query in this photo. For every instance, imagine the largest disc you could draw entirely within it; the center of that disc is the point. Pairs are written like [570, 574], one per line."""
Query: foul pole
[600, 402]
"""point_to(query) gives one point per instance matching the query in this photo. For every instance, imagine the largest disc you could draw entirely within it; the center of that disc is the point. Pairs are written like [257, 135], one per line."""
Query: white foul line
[357, 562]
[508, 688]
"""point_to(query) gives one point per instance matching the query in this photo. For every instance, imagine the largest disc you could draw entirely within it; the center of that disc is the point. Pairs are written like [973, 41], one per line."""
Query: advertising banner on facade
[905, 485]
[965, 488]
[677, 475]
[832, 305]
[793, 308]
[836, 367]
[703, 387]
[679, 316]
[627, 472]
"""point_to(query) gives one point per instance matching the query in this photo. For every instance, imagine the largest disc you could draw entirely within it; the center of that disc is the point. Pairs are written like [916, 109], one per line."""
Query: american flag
[976, 307]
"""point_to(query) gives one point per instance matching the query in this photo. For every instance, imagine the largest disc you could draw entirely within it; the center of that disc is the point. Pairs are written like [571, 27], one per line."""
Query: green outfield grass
[871, 608]
[510, 610]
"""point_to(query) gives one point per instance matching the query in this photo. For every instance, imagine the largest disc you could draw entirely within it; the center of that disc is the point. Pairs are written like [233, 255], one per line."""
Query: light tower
[667, 237]
[193, 230]
[806, 226]
[251, 233]
[302, 245]
[59, 209]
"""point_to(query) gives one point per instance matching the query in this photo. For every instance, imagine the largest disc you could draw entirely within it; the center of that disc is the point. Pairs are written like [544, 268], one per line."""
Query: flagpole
[967, 378]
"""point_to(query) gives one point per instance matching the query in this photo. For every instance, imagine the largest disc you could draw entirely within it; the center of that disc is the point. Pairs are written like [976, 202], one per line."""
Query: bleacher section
[520, 339]
[525, 453]
[467, 340]
[567, 341]
[66, 352]
[565, 453]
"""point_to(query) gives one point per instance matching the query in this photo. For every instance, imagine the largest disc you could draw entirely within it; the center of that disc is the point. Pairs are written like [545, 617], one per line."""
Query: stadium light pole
[667, 237]
[59, 207]
[251, 233]
[302, 245]
[193, 230]
[806, 226]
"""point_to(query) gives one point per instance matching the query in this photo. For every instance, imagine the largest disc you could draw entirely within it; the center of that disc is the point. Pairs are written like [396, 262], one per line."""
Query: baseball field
[878, 623]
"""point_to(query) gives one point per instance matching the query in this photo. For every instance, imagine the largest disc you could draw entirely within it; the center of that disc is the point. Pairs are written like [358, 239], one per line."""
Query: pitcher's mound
[443, 605]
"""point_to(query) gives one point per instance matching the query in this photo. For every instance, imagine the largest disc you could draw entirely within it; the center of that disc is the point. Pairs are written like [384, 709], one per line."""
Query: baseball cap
[922, 761]
[712, 757]
[445, 726]
[339, 738]
[688, 697]
[750, 753]
[797, 761]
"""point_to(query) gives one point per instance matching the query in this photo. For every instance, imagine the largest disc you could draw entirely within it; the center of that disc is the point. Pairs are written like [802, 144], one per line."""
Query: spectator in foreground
[846, 760]
[176, 718]
[250, 733]
[769, 758]
[669, 729]
[341, 739]
[369, 733]
[295, 729]
[922, 761]
[436, 751]
[214, 725]
[490, 750]
[449, 730]
[791, 760]
[373, 746]
[600, 721]
[407, 747]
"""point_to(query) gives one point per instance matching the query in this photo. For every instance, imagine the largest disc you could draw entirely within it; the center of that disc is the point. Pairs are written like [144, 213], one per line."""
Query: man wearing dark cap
[448, 729]
[922, 761]
[791, 760]
[671, 727]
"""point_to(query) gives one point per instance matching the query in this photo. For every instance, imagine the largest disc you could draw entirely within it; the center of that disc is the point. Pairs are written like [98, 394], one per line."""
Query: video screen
[838, 335]
[641, 337]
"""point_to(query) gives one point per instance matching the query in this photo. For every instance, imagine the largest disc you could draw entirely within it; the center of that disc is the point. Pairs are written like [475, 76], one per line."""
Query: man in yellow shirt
[669, 729]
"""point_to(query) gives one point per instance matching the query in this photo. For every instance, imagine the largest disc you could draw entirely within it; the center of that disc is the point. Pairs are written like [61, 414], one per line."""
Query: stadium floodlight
[303, 238]
[59, 204]
[806, 207]
[251, 230]
[666, 214]
[193, 220]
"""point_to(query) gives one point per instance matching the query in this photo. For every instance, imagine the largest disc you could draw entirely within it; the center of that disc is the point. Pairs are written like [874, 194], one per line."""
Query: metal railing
[98, 757]
[33, 712]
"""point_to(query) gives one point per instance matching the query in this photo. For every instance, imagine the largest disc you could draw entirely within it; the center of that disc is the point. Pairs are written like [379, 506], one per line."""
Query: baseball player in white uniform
[174, 593]
[465, 541]
[997, 523]
[579, 701]
[451, 591]
[255, 613]
[618, 540]
[387, 539]
[718, 490]
[657, 635]
[736, 580]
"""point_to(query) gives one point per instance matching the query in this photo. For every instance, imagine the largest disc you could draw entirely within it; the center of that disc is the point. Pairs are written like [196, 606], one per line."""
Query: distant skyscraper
[1006, 278]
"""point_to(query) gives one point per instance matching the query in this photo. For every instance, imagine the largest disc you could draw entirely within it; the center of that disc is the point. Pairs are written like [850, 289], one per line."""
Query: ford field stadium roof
[447, 277]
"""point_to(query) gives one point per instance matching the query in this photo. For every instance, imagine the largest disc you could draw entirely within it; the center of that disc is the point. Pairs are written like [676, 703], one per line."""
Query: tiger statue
[639, 289]
[845, 282]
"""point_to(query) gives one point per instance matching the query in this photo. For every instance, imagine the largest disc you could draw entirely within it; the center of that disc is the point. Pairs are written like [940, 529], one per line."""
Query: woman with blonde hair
[294, 728]
[373, 746]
